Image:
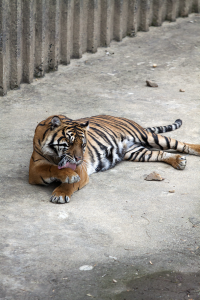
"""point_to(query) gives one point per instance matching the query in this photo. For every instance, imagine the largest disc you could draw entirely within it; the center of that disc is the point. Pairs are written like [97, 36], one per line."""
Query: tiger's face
[66, 141]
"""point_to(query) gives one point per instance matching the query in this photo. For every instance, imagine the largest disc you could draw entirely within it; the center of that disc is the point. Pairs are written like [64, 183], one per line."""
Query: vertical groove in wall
[158, 12]
[144, 15]
[93, 25]
[28, 40]
[118, 10]
[16, 42]
[37, 35]
[184, 7]
[105, 22]
[66, 28]
[54, 35]
[4, 62]
[99, 23]
[84, 22]
[132, 27]
[196, 6]
[77, 29]
[171, 10]
[125, 18]
[41, 29]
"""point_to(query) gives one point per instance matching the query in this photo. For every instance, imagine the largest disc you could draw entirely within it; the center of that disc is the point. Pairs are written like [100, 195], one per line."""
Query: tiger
[69, 151]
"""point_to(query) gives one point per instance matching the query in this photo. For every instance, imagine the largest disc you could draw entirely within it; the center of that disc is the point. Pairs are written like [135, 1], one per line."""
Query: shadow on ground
[164, 285]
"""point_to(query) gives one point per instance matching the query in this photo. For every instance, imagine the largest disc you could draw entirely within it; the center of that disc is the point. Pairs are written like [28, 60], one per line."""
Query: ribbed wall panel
[41, 38]
[28, 52]
[4, 47]
[93, 25]
[38, 35]
[78, 28]
[16, 36]
[66, 31]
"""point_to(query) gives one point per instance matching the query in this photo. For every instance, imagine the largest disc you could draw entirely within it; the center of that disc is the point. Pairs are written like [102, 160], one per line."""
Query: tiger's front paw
[72, 179]
[67, 175]
[59, 197]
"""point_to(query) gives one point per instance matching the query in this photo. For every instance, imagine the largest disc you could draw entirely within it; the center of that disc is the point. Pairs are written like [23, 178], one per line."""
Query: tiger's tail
[160, 129]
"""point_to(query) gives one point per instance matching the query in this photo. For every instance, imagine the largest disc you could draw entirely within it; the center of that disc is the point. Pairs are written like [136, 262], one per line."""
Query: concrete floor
[121, 226]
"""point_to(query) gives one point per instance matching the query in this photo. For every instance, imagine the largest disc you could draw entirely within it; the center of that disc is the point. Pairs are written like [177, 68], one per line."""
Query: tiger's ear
[55, 122]
[85, 125]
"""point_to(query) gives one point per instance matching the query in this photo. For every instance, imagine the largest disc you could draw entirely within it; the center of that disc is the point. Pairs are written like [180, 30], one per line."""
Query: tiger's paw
[59, 199]
[72, 179]
[67, 175]
[180, 162]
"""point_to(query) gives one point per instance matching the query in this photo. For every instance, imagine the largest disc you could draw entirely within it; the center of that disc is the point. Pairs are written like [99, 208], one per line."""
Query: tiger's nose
[77, 158]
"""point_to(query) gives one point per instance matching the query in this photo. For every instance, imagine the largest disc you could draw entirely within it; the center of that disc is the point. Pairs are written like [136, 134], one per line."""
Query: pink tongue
[68, 165]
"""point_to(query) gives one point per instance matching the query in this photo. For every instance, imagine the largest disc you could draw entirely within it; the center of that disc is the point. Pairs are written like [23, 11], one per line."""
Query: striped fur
[69, 151]
[161, 129]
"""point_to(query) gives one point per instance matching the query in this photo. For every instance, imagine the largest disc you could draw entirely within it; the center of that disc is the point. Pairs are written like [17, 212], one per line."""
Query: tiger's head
[65, 141]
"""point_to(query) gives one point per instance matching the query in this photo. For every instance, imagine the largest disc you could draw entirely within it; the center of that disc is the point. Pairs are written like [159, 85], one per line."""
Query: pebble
[151, 83]
[86, 268]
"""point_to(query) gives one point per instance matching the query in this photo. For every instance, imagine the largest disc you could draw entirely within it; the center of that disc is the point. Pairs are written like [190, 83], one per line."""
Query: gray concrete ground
[125, 228]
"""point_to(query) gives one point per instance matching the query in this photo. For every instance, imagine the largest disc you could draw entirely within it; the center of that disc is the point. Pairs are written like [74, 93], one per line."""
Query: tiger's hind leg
[140, 153]
[166, 143]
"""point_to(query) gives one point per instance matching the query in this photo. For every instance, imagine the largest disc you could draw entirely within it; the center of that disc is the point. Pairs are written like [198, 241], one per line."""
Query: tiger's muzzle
[65, 163]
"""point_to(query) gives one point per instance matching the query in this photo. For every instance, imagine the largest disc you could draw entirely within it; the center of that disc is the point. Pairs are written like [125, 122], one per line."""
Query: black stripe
[100, 166]
[150, 155]
[156, 140]
[109, 155]
[117, 123]
[136, 154]
[63, 131]
[45, 133]
[135, 147]
[36, 159]
[102, 134]
[43, 180]
[110, 135]
[90, 152]
[51, 143]
[60, 138]
[105, 129]
[111, 123]
[139, 130]
[179, 122]
[36, 150]
[158, 155]
[142, 157]
[102, 146]
[167, 142]
[131, 155]
[143, 134]
[120, 125]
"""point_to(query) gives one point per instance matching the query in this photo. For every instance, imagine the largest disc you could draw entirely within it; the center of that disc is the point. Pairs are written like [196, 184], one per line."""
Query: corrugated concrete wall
[38, 35]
